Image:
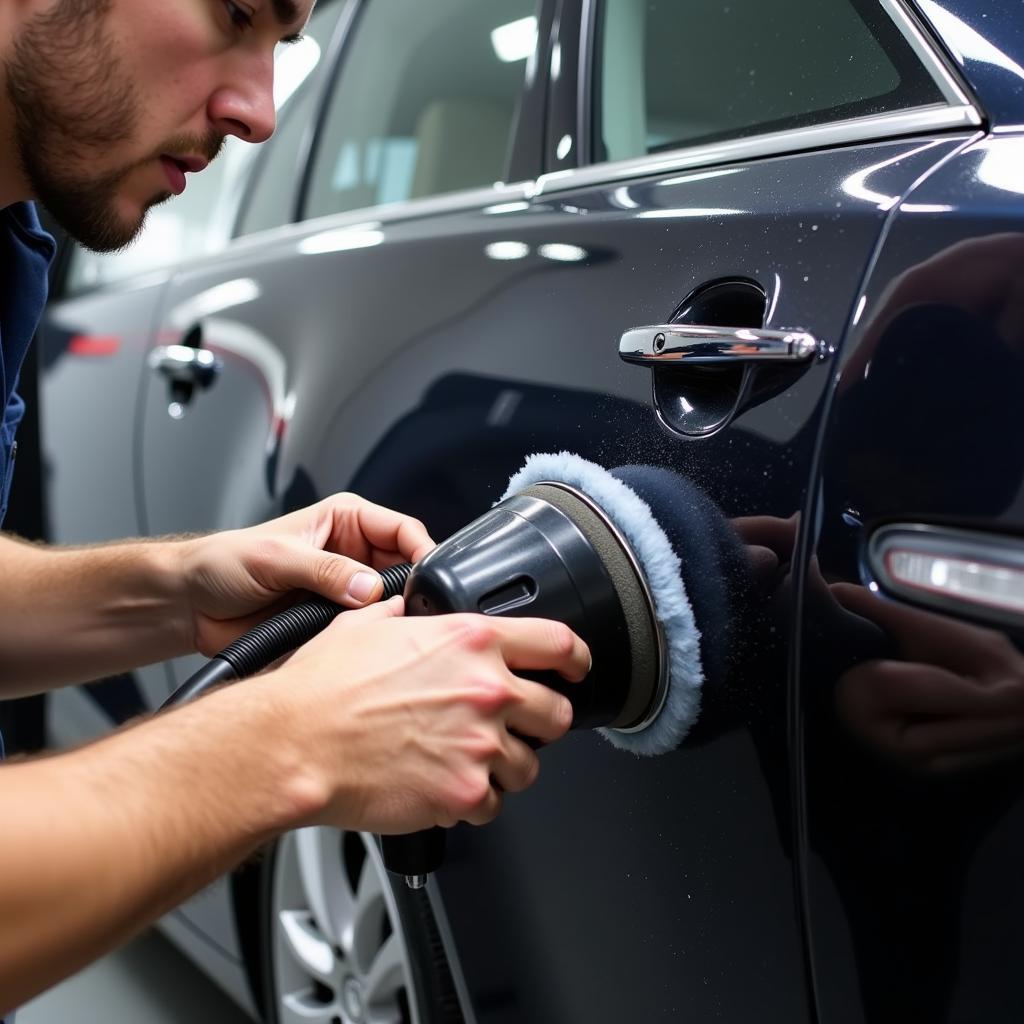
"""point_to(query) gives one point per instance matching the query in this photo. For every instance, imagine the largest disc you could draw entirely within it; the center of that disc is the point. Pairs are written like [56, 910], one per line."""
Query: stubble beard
[74, 102]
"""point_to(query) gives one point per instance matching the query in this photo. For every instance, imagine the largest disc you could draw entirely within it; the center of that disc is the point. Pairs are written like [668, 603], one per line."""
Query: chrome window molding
[446, 202]
[479, 199]
[874, 128]
[958, 112]
[925, 50]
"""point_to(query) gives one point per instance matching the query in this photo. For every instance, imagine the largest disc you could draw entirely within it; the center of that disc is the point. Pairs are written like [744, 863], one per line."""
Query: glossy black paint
[911, 736]
[986, 42]
[777, 866]
[622, 888]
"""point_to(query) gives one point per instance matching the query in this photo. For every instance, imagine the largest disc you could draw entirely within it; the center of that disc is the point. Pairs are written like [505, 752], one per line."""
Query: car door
[910, 672]
[234, 403]
[234, 399]
[664, 888]
[421, 331]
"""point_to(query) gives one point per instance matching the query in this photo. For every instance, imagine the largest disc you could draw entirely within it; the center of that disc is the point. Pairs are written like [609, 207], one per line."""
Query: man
[381, 723]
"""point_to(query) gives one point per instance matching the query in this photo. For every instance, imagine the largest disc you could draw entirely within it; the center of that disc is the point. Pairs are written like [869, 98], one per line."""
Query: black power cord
[274, 638]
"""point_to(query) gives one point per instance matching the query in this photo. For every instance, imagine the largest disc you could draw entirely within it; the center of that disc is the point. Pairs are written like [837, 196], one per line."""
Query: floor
[147, 982]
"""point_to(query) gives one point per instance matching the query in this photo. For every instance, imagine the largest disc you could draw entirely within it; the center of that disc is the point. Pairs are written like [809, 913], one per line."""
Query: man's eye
[240, 17]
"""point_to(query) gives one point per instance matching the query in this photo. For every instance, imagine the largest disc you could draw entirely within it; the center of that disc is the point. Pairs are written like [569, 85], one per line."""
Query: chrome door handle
[702, 345]
[182, 364]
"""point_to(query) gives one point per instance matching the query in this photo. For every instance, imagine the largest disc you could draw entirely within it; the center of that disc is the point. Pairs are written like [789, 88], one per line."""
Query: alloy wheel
[340, 955]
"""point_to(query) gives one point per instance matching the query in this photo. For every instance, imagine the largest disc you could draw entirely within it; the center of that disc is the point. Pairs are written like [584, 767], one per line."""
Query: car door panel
[627, 874]
[618, 887]
[93, 350]
[912, 795]
[418, 353]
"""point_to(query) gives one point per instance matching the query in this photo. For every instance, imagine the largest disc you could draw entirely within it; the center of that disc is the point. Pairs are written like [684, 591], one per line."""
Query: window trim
[930, 55]
[874, 128]
[487, 200]
[958, 112]
[961, 115]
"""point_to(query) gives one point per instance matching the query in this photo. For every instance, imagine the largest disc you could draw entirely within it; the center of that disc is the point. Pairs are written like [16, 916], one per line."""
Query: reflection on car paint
[915, 750]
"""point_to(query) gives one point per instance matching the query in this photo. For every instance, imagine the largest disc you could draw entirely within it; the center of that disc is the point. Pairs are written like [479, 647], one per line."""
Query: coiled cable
[273, 638]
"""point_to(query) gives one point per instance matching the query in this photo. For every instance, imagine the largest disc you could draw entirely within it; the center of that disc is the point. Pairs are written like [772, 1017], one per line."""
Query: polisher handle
[415, 855]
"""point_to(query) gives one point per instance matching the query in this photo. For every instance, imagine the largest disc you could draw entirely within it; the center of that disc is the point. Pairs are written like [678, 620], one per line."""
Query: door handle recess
[705, 345]
[705, 375]
[182, 364]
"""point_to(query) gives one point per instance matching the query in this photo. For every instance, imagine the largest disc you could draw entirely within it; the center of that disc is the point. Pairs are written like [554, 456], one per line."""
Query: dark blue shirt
[25, 254]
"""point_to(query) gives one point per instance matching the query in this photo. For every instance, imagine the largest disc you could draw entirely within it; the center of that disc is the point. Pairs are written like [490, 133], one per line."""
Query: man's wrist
[161, 587]
[176, 561]
[268, 714]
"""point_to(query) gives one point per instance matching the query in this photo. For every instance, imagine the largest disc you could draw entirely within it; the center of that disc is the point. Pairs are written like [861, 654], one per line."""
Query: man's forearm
[72, 615]
[100, 842]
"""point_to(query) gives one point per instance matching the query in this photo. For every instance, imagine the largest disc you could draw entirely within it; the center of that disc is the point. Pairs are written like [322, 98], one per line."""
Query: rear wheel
[342, 945]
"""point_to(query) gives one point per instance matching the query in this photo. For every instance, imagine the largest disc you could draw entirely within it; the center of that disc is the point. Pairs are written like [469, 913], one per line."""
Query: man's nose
[245, 106]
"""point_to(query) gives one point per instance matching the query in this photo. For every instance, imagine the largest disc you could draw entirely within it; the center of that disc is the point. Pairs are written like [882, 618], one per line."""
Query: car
[425, 276]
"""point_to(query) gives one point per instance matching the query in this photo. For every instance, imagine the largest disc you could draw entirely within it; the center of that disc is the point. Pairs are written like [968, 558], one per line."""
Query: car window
[677, 74]
[272, 188]
[426, 102]
[200, 220]
[271, 199]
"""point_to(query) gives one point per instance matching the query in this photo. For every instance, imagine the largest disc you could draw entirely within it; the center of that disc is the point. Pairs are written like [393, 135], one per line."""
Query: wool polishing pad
[651, 550]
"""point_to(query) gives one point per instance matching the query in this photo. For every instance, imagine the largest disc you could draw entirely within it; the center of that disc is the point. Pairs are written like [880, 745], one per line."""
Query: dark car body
[841, 838]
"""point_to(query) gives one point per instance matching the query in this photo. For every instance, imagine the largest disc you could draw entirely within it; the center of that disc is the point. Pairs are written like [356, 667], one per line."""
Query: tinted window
[426, 101]
[677, 73]
[200, 220]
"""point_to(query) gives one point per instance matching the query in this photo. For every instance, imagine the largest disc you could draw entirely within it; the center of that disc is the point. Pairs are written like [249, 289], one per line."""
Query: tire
[342, 945]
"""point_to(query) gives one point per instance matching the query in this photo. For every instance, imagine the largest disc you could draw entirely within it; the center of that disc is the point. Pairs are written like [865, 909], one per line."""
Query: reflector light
[93, 345]
[967, 580]
[974, 573]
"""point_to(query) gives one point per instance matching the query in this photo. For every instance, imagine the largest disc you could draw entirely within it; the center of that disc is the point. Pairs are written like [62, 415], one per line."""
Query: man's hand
[381, 722]
[75, 614]
[394, 724]
[235, 579]
[979, 275]
[952, 703]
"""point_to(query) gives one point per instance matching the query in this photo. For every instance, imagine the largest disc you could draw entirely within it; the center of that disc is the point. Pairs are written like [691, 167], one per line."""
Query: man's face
[115, 99]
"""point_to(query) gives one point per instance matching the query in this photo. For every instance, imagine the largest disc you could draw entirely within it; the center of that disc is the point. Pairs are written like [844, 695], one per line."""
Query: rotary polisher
[569, 541]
